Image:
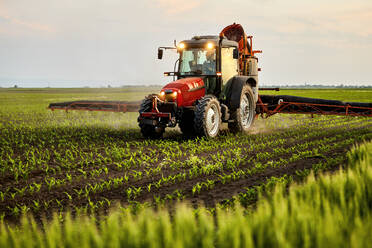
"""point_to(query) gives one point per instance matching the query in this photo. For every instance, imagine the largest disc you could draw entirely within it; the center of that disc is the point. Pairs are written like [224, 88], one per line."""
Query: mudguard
[233, 90]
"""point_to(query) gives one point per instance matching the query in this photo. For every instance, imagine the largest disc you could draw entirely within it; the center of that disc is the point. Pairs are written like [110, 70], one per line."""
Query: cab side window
[229, 65]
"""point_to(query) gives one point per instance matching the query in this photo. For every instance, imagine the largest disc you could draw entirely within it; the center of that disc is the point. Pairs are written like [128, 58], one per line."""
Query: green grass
[328, 211]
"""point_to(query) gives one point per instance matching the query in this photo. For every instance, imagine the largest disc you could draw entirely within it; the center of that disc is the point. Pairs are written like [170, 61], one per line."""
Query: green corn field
[70, 179]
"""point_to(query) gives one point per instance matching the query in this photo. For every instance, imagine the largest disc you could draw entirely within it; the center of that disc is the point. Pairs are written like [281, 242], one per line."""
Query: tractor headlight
[161, 95]
[169, 95]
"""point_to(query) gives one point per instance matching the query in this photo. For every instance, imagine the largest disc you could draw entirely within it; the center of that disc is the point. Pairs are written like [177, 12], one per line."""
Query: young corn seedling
[2, 196]
[79, 192]
[13, 195]
[24, 209]
[15, 211]
[68, 196]
[36, 205]
[68, 177]
[21, 191]
[196, 189]
[129, 193]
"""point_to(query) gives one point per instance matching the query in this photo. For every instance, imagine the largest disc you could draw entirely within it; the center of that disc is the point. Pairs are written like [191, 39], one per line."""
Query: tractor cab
[215, 59]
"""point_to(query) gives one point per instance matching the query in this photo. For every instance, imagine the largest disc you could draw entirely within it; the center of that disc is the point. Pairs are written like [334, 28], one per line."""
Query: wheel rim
[212, 120]
[245, 111]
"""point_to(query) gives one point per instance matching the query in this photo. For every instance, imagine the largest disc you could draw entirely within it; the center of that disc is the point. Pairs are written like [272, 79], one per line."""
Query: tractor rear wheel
[149, 131]
[186, 123]
[207, 120]
[243, 117]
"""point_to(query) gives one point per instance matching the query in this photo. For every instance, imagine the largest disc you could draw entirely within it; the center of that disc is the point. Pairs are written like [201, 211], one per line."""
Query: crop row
[118, 159]
[197, 169]
[211, 162]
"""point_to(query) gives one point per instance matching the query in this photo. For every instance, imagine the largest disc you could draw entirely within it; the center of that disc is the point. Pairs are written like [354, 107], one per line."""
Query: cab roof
[199, 41]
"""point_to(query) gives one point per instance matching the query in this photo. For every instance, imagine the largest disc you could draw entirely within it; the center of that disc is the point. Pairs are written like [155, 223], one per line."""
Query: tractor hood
[188, 90]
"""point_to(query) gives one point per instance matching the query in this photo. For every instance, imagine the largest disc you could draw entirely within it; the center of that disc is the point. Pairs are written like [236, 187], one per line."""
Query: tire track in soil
[226, 191]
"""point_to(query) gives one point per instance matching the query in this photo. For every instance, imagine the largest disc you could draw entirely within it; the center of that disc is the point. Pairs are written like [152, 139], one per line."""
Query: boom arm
[269, 105]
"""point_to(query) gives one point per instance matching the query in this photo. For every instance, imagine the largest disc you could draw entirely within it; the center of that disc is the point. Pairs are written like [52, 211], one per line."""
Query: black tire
[205, 123]
[186, 123]
[149, 131]
[243, 118]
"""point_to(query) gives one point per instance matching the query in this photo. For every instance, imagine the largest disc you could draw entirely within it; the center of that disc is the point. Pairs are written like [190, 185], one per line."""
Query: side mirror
[160, 53]
[236, 53]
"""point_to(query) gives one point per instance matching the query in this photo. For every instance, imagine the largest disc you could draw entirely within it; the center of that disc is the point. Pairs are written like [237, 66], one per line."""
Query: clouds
[11, 25]
[357, 21]
[116, 40]
[174, 7]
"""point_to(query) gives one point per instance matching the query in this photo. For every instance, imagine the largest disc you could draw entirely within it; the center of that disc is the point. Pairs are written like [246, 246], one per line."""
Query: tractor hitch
[162, 113]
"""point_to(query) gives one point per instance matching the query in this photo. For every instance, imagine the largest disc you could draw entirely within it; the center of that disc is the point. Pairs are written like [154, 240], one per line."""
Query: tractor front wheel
[243, 117]
[207, 120]
[149, 131]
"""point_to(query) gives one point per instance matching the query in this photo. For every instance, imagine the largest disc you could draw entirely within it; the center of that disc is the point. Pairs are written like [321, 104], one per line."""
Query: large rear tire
[186, 123]
[149, 131]
[243, 117]
[207, 120]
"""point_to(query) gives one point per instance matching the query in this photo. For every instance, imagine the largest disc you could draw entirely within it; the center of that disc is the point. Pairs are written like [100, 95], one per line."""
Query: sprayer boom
[108, 106]
[269, 105]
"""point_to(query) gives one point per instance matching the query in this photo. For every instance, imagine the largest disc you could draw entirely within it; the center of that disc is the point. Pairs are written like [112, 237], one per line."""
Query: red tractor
[217, 81]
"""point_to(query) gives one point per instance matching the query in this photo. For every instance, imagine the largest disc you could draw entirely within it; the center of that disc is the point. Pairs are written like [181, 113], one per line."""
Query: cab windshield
[197, 61]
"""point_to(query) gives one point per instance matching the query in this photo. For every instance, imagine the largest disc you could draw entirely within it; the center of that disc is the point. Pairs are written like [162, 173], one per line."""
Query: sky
[95, 43]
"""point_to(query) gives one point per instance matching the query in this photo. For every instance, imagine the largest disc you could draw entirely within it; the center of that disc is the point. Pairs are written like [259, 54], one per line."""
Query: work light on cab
[181, 46]
[210, 45]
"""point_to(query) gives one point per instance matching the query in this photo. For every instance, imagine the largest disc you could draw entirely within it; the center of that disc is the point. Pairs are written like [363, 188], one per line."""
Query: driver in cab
[209, 65]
